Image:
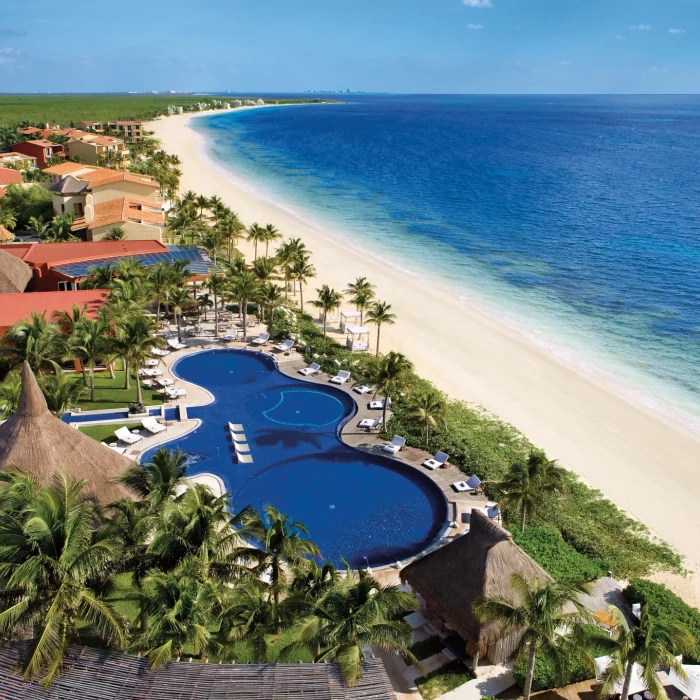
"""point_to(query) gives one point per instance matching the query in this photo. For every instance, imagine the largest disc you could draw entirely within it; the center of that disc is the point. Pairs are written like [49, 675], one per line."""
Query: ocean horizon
[573, 220]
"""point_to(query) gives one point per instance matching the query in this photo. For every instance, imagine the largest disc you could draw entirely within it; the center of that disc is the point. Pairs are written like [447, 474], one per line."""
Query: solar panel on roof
[199, 262]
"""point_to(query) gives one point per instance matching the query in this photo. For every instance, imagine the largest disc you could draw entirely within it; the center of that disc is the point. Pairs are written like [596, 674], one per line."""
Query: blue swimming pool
[354, 504]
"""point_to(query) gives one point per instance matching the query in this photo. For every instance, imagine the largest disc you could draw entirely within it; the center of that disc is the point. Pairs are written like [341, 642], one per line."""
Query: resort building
[93, 127]
[62, 266]
[139, 219]
[34, 441]
[9, 176]
[73, 183]
[95, 148]
[479, 563]
[15, 274]
[41, 150]
[17, 307]
[130, 131]
[19, 161]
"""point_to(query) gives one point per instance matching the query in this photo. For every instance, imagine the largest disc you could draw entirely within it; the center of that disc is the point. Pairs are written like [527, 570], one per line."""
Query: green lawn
[105, 433]
[442, 680]
[110, 393]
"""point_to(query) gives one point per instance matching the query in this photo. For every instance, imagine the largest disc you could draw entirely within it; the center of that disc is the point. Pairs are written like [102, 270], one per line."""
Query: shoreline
[642, 460]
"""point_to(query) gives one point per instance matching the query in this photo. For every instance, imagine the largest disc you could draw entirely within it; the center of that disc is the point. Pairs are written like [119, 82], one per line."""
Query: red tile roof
[122, 210]
[8, 175]
[16, 307]
[50, 254]
[66, 168]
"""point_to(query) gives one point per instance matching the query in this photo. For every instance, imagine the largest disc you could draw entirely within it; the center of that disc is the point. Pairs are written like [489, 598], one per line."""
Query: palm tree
[361, 294]
[180, 300]
[427, 409]
[652, 644]
[287, 254]
[159, 480]
[271, 234]
[302, 271]
[282, 546]
[540, 613]
[61, 391]
[212, 240]
[133, 343]
[68, 321]
[10, 392]
[38, 226]
[356, 614]
[256, 234]
[91, 343]
[526, 484]
[35, 340]
[270, 296]
[394, 370]
[52, 553]
[59, 230]
[8, 219]
[116, 233]
[203, 203]
[244, 288]
[161, 281]
[380, 314]
[328, 300]
[231, 228]
[99, 277]
[217, 285]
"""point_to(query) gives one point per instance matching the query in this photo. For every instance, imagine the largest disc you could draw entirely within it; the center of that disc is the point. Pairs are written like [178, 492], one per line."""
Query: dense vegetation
[436, 683]
[666, 605]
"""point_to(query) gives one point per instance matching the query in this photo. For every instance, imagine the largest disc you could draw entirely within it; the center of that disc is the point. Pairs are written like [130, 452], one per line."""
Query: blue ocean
[574, 219]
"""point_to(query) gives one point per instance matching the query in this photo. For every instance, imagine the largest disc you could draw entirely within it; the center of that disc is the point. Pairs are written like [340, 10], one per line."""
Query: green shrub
[666, 605]
[442, 680]
[25, 202]
[575, 667]
[559, 559]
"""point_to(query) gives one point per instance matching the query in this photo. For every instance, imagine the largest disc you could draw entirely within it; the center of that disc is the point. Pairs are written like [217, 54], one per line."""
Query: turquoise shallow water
[574, 219]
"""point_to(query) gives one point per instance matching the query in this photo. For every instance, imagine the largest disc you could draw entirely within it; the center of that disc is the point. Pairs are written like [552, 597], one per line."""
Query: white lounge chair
[165, 382]
[229, 336]
[397, 443]
[313, 368]
[152, 363]
[159, 353]
[437, 461]
[175, 345]
[461, 486]
[115, 448]
[241, 446]
[370, 423]
[262, 339]
[152, 425]
[244, 458]
[173, 393]
[340, 378]
[379, 404]
[126, 436]
[473, 482]
[363, 389]
[284, 347]
[235, 427]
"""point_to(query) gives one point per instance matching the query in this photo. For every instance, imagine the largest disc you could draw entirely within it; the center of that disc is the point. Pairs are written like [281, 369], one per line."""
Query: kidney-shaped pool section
[356, 505]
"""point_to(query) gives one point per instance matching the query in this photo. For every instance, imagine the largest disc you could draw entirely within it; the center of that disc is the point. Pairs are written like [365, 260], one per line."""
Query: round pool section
[356, 505]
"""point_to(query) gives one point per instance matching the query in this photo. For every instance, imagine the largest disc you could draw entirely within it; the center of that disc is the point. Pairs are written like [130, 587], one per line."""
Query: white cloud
[477, 3]
[676, 31]
[564, 63]
[640, 27]
[475, 26]
[620, 37]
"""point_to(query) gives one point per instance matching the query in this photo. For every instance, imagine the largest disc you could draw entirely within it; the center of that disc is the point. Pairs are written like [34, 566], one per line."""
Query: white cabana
[637, 684]
[358, 338]
[689, 687]
[346, 316]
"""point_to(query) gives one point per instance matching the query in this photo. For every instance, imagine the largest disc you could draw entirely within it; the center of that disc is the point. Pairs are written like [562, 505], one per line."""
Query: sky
[401, 46]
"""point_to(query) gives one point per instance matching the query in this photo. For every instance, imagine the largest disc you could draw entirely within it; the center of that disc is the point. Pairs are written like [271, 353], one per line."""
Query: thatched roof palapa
[34, 441]
[6, 235]
[479, 563]
[14, 274]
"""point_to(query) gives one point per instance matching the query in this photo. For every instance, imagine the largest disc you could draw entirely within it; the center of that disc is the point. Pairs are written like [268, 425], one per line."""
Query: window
[64, 286]
[78, 209]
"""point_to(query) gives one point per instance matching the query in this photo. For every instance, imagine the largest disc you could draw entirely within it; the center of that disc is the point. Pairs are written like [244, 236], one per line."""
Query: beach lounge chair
[159, 353]
[396, 444]
[229, 336]
[461, 486]
[473, 482]
[284, 347]
[235, 427]
[437, 461]
[151, 372]
[152, 363]
[175, 345]
[173, 393]
[165, 382]
[340, 378]
[363, 389]
[313, 368]
[370, 423]
[244, 458]
[126, 436]
[152, 425]
[493, 511]
[379, 404]
[115, 448]
[262, 339]
[238, 437]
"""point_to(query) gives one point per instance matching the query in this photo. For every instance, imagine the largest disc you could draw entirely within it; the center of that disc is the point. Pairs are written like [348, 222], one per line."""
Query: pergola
[358, 338]
[346, 316]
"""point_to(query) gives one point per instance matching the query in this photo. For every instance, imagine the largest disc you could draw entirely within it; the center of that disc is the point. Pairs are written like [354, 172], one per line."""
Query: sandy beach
[644, 461]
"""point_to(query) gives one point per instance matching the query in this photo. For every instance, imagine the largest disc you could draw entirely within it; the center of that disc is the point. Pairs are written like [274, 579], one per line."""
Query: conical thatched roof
[6, 235]
[476, 564]
[34, 441]
[14, 274]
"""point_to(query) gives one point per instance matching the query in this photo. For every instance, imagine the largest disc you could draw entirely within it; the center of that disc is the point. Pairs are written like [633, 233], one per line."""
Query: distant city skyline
[409, 46]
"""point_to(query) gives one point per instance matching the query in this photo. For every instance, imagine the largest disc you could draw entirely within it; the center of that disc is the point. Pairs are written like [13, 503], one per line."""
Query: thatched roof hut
[6, 235]
[476, 564]
[34, 441]
[14, 274]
